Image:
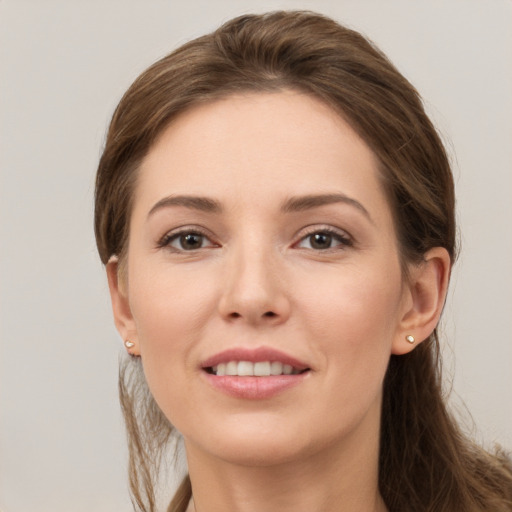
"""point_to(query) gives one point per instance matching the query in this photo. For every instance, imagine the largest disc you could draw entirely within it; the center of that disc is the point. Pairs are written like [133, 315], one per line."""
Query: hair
[426, 463]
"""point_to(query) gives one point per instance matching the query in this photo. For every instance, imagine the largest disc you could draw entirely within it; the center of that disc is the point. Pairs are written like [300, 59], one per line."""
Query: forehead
[259, 145]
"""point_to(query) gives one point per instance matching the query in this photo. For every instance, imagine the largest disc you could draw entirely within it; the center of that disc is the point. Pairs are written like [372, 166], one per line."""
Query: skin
[257, 279]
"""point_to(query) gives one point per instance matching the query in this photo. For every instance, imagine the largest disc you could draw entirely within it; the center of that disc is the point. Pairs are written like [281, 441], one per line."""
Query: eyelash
[168, 238]
[342, 239]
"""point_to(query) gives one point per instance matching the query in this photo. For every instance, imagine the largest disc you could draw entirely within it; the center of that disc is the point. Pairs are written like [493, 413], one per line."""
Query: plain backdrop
[64, 65]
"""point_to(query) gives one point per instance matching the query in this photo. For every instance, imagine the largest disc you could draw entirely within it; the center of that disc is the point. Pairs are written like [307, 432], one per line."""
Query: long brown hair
[425, 461]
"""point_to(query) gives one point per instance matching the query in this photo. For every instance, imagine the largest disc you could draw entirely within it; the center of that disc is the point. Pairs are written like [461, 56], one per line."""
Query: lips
[241, 357]
[253, 374]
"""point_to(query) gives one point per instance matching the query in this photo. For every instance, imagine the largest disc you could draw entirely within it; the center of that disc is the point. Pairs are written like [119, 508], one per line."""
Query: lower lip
[254, 388]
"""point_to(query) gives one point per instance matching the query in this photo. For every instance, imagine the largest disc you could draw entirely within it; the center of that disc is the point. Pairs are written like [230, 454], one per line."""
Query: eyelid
[173, 234]
[346, 239]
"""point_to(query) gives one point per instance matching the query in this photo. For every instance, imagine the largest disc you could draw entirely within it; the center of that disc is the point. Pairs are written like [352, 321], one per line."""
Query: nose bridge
[253, 289]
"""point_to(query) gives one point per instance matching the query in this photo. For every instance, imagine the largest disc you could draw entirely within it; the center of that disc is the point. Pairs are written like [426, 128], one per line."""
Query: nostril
[235, 314]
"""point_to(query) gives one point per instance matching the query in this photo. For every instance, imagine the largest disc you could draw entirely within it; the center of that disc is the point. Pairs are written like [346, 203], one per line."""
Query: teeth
[259, 369]
[262, 369]
[287, 369]
[276, 368]
[245, 368]
[232, 368]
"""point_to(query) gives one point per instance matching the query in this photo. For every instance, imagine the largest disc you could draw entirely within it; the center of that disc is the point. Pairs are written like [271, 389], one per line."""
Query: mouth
[254, 362]
[254, 369]
[254, 373]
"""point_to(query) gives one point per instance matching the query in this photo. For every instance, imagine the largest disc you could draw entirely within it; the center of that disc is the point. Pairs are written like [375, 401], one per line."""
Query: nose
[254, 290]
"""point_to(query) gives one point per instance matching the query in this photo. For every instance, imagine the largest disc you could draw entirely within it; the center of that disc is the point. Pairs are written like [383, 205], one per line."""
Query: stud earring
[410, 338]
[129, 344]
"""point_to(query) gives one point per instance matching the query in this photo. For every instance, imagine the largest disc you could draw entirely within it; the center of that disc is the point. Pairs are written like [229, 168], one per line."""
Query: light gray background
[64, 65]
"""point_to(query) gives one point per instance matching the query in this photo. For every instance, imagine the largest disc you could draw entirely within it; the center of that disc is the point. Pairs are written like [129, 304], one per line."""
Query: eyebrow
[302, 203]
[203, 204]
[293, 204]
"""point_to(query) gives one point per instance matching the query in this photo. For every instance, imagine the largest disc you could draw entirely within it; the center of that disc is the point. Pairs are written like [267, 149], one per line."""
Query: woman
[276, 214]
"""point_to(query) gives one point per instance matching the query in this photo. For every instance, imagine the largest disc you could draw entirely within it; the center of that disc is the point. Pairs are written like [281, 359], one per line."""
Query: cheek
[167, 306]
[350, 303]
[350, 323]
[171, 312]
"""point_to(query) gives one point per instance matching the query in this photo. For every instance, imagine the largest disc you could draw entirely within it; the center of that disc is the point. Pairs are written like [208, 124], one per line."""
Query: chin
[261, 452]
[261, 442]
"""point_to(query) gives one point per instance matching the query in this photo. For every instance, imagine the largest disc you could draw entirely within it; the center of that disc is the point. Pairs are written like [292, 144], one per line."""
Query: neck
[340, 478]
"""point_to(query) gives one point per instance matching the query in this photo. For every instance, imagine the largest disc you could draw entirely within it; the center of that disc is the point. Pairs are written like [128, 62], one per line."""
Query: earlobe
[123, 317]
[426, 290]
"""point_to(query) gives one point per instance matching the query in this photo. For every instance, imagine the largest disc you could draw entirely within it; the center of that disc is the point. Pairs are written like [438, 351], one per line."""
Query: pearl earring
[410, 338]
[129, 344]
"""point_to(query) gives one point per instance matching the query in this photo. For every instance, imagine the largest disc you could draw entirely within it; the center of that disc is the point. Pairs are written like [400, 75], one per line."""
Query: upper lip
[254, 356]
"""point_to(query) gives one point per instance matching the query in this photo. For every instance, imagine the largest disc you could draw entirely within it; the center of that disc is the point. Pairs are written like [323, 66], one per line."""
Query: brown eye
[320, 241]
[190, 241]
[186, 241]
[323, 240]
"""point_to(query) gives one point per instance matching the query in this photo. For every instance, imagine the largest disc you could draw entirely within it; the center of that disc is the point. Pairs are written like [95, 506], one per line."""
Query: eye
[322, 240]
[186, 241]
[189, 241]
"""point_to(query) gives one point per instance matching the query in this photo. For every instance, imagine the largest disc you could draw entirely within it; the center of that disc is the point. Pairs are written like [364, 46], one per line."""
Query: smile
[250, 369]
[255, 373]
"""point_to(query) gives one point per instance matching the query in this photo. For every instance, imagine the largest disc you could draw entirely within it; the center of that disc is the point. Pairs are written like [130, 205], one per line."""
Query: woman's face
[261, 241]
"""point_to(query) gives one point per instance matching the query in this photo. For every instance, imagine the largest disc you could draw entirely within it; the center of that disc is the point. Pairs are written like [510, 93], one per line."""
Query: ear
[424, 297]
[123, 317]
